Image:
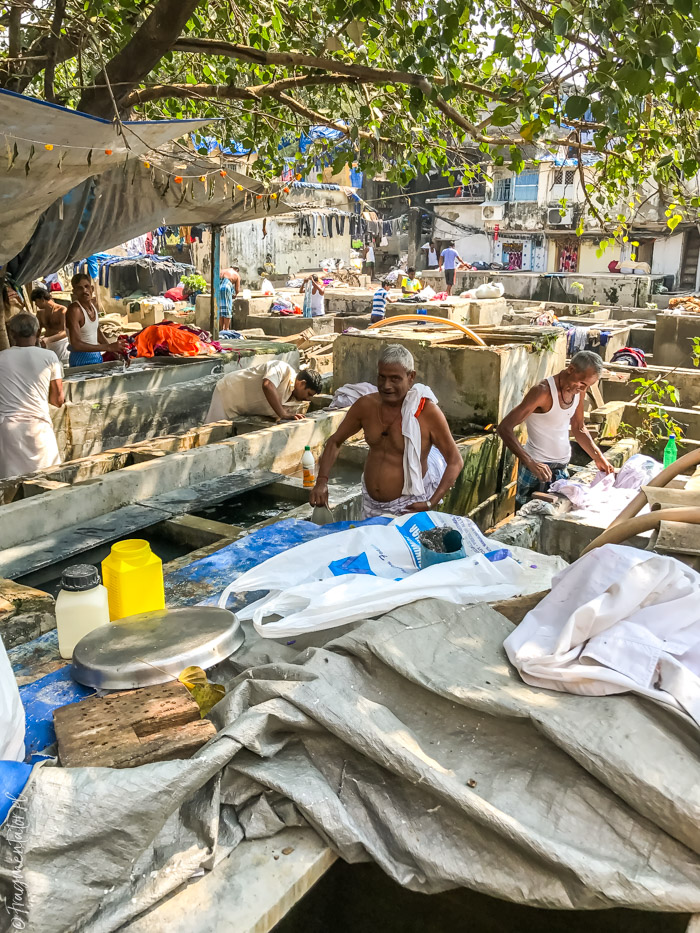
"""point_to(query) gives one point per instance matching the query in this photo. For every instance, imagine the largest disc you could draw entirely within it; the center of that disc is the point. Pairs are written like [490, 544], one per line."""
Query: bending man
[551, 411]
[413, 459]
[265, 389]
[30, 379]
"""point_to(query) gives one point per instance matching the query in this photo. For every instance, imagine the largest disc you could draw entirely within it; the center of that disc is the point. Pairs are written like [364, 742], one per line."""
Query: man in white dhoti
[30, 380]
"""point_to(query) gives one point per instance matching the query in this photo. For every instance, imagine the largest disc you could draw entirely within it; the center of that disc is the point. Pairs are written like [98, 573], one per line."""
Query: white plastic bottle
[308, 466]
[81, 606]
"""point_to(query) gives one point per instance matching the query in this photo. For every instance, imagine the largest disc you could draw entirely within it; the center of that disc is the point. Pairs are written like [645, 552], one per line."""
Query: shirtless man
[379, 415]
[87, 342]
[52, 322]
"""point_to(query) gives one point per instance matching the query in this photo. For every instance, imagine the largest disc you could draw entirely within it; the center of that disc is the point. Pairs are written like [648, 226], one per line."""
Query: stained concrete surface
[472, 383]
[673, 340]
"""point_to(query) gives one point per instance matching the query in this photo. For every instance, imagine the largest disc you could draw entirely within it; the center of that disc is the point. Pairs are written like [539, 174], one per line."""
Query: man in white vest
[552, 411]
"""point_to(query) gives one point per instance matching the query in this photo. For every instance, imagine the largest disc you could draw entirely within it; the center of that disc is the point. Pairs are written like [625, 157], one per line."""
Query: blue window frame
[522, 187]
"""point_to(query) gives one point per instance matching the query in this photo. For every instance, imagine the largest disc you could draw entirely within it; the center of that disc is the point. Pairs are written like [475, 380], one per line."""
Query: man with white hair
[30, 379]
[413, 459]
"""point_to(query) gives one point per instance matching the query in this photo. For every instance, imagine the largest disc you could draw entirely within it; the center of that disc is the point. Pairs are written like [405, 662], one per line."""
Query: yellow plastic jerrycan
[133, 575]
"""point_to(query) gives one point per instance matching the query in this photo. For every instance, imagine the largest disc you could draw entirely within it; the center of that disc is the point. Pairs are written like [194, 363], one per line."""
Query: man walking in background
[449, 258]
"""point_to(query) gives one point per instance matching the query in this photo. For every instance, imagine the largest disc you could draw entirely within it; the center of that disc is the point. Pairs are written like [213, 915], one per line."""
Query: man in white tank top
[551, 412]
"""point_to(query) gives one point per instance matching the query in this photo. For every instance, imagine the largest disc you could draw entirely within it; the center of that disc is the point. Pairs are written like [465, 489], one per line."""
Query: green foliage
[194, 283]
[656, 423]
[483, 80]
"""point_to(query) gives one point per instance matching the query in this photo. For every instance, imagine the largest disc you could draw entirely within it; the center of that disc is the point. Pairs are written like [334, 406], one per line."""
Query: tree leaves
[576, 106]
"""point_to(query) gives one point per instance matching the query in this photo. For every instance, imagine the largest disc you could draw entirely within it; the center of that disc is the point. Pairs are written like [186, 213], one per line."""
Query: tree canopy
[452, 85]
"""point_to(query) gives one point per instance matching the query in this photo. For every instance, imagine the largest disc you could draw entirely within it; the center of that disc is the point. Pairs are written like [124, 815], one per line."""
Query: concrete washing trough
[475, 385]
[673, 340]
[108, 406]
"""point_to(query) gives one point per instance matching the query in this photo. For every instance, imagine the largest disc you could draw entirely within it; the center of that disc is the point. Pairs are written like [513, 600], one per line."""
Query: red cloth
[175, 294]
[164, 339]
[55, 287]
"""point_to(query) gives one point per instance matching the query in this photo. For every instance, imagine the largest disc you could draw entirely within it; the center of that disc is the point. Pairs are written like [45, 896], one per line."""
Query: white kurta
[27, 439]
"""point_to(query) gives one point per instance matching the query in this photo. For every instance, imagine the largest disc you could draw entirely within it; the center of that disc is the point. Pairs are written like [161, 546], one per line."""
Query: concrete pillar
[414, 215]
[215, 276]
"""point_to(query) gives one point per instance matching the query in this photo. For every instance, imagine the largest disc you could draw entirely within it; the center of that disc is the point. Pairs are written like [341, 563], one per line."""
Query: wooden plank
[33, 555]
[131, 728]
[597, 395]
[517, 608]
[250, 891]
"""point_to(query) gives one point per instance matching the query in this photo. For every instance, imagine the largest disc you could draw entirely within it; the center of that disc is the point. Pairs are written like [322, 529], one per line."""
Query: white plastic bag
[489, 290]
[11, 712]
[372, 569]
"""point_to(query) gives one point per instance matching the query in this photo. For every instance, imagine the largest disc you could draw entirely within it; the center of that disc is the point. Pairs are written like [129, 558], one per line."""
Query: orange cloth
[177, 342]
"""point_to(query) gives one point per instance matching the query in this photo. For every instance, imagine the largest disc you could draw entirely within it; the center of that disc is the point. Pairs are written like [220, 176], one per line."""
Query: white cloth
[27, 439]
[432, 258]
[548, 432]
[348, 394]
[617, 620]
[316, 300]
[59, 346]
[266, 287]
[369, 255]
[241, 393]
[410, 428]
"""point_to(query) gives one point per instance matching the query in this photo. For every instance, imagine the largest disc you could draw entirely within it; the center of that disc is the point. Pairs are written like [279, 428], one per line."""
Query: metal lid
[154, 647]
[80, 577]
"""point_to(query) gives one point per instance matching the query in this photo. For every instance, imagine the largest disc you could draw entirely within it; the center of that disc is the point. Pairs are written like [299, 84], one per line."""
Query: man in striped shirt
[379, 304]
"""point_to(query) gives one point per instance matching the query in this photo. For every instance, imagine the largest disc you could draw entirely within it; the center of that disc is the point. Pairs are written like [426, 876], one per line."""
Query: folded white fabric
[617, 620]
[410, 428]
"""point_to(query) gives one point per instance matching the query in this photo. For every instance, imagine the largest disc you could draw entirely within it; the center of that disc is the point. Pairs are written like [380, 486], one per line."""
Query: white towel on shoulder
[410, 428]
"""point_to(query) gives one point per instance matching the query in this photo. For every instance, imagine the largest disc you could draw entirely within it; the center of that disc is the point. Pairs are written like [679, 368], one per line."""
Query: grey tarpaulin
[124, 202]
[409, 741]
[34, 176]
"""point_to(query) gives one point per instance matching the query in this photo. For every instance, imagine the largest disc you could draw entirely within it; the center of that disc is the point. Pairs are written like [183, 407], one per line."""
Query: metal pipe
[214, 264]
[679, 466]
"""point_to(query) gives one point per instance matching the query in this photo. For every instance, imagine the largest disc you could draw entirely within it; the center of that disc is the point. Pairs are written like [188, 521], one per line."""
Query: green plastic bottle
[670, 451]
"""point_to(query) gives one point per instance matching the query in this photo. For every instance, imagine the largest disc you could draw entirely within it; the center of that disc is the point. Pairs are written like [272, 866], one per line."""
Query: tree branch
[153, 38]
[295, 59]
[231, 92]
[52, 51]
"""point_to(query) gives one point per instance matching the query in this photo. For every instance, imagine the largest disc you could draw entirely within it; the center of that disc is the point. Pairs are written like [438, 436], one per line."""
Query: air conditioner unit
[556, 219]
[492, 211]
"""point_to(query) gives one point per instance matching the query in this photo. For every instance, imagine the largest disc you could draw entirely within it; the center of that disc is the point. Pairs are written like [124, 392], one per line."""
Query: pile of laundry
[284, 307]
[688, 304]
[606, 494]
[167, 339]
[629, 356]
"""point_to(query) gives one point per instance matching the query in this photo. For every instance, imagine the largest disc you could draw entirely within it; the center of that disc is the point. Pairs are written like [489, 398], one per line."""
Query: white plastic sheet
[365, 571]
[617, 620]
[11, 712]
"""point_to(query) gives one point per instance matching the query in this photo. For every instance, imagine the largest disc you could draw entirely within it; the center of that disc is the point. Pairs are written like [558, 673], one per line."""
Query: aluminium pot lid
[155, 647]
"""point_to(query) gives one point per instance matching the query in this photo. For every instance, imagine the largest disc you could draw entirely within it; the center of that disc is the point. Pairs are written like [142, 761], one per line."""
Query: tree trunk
[156, 36]
[4, 339]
